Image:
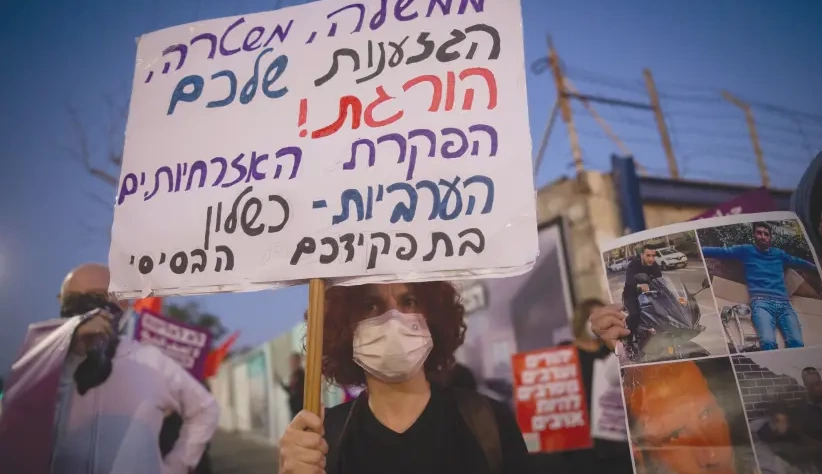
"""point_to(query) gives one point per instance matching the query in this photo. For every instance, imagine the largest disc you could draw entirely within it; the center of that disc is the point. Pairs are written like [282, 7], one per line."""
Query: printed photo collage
[721, 372]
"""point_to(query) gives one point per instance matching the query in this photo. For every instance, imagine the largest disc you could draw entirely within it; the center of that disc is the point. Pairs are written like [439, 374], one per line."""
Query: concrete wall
[587, 205]
[657, 215]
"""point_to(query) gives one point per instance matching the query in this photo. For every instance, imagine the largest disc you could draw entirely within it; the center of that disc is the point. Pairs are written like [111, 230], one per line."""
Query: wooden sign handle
[314, 346]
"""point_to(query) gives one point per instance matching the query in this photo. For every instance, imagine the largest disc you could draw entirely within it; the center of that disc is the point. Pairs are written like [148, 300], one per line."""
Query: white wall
[221, 388]
[231, 386]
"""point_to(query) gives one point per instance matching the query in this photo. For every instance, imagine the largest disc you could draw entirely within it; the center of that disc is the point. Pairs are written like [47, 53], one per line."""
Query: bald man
[82, 401]
[677, 425]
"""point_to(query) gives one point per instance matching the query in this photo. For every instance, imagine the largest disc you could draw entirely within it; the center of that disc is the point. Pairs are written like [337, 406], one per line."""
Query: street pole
[565, 107]
[749, 118]
[660, 123]
[549, 127]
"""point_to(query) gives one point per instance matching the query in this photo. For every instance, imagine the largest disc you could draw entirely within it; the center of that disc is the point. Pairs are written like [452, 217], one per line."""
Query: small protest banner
[758, 200]
[550, 400]
[185, 344]
[607, 409]
[374, 141]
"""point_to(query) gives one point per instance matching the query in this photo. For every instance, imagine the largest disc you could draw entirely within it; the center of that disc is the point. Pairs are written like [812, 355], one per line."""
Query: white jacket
[115, 427]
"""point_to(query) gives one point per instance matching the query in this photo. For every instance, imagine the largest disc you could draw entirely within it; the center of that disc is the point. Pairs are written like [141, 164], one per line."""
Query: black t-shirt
[296, 387]
[438, 442]
[809, 417]
[607, 456]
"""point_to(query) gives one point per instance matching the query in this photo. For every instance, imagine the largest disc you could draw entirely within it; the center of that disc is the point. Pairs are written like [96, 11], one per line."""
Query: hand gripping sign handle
[314, 346]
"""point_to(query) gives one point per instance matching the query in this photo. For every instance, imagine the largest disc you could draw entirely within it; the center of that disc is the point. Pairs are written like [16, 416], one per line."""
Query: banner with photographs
[721, 372]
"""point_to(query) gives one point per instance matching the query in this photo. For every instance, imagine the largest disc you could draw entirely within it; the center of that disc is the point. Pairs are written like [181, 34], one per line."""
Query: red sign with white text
[550, 400]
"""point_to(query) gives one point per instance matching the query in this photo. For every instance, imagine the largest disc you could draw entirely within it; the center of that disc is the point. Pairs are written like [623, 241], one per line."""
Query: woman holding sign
[399, 341]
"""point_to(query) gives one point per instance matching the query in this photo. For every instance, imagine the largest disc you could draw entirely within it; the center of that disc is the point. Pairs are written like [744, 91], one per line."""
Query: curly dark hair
[439, 302]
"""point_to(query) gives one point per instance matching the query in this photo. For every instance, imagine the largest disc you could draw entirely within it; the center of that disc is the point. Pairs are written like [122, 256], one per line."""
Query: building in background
[251, 401]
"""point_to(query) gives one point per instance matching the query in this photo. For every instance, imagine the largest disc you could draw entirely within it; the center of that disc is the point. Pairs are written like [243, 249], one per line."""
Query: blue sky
[59, 55]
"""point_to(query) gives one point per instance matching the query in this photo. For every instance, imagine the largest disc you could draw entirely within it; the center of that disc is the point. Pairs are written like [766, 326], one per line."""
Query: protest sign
[185, 344]
[723, 339]
[550, 400]
[607, 409]
[758, 200]
[357, 142]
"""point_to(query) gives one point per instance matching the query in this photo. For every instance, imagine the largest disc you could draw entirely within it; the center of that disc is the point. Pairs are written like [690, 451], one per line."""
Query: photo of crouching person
[764, 278]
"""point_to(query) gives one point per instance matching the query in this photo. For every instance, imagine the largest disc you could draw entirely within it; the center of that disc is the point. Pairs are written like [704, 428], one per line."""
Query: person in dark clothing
[630, 293]
[399, 341]
[810, 412]
[296, 384]
[170, 433]
[605, 457]
[787, 441]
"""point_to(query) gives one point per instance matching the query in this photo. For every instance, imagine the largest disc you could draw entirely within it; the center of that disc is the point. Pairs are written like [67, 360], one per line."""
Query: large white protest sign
[369, 141]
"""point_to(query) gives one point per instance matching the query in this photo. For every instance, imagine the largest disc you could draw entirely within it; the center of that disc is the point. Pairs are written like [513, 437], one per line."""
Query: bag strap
[477, 413]
[335, 426]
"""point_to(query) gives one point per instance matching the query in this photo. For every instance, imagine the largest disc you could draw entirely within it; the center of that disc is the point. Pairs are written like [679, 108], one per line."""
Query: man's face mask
[98, 364]
[392, 347]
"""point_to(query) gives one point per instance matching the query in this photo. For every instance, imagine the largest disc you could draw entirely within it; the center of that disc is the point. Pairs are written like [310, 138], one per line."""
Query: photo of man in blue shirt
[765, 277]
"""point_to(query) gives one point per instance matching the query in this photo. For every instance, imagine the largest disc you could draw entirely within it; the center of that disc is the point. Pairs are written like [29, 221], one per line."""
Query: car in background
[618, 265]
[669, 257]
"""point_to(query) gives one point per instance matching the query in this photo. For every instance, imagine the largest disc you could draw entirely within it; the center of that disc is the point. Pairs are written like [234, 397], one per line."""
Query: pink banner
[186, 344]
[758, 200]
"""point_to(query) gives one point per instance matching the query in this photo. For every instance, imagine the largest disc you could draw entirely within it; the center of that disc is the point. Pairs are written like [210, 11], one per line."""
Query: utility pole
[549, 127]
[660, 123]
[749, 118]
[565, 106]
[599, 120]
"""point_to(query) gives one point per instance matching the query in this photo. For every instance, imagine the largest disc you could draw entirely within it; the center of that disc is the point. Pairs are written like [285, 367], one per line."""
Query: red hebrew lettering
[382, 97]
[451, 83]
[435, 81]
[490, 81]
[346, 102]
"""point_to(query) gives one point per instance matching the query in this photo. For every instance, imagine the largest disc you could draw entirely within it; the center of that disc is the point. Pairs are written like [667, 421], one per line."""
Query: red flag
[151, 304]
[216, 357]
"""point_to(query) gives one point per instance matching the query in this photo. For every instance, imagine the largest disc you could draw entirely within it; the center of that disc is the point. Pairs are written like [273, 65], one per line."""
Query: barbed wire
[710, 136]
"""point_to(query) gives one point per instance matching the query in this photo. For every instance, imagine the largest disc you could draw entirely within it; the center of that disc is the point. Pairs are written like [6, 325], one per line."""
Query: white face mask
[393, 346]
